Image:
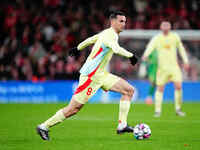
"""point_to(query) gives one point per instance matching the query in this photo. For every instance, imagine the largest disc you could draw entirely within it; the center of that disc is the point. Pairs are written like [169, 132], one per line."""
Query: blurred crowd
[36, 35]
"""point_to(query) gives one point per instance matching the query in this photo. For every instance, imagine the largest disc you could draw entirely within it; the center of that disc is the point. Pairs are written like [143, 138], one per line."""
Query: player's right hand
[133, 59]
[74, 51]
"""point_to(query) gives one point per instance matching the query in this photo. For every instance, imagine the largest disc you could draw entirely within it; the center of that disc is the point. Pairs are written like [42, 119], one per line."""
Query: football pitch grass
[94, 128]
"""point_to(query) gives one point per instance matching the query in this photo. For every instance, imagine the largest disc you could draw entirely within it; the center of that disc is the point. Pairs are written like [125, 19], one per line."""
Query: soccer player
[151, 64]
[94, 76]
[167, 44]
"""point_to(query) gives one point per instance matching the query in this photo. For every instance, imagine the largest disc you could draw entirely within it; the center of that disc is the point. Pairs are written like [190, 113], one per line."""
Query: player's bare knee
[130, 91]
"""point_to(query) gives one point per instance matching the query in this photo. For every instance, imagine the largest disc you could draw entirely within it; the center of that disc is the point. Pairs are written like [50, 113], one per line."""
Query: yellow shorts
[167, 75]
[88, 86]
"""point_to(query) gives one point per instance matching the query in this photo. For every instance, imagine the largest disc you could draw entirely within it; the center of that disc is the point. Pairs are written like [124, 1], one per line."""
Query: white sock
[124, 107]
[158, 101]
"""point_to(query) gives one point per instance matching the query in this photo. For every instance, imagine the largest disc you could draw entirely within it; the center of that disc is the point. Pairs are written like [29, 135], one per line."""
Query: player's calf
[73, 108]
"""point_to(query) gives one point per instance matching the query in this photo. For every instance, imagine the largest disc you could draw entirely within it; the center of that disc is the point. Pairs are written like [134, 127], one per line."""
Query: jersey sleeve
[150, 47]
[112, 43]
[88, 41]
[181, 49]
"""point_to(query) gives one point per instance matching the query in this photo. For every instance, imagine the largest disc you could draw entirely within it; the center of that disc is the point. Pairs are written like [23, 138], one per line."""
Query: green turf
[94, 128]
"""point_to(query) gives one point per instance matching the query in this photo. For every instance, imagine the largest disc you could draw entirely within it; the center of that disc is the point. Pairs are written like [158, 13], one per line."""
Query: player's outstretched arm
[76, 50]
[113, 44]
[87, 42]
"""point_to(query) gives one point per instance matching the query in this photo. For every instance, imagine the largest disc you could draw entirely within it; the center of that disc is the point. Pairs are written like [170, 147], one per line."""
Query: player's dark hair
[113, 14]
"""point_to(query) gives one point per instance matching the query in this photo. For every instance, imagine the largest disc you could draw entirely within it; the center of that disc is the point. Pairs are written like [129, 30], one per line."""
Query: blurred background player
[149, 67]
[166, 44]
[94, 76]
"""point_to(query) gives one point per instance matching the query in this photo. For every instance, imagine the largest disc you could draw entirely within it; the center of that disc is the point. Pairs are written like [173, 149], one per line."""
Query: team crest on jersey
[167, 46]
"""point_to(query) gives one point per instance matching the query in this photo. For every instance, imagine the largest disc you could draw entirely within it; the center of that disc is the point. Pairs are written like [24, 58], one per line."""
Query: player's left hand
[133, 59]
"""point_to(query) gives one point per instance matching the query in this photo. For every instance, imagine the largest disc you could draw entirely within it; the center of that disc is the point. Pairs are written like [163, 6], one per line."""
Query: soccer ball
[142, 131]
